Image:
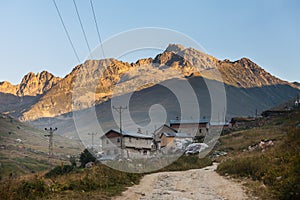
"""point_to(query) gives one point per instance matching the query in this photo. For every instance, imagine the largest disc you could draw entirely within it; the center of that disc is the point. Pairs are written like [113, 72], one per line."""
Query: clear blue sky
[267, 32]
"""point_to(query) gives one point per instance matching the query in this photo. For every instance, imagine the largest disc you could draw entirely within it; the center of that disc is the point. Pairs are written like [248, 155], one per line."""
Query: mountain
[31, 85]
[15, 99]
[248, 86]
[297, 84]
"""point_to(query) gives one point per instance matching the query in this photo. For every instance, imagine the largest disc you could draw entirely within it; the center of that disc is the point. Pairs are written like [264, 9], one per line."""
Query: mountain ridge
[31, 84]
[118, 77]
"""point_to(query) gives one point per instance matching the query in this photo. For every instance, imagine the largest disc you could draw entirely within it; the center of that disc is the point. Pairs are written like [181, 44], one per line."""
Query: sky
[32, 37]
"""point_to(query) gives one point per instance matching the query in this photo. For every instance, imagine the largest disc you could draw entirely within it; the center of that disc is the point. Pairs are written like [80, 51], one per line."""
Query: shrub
[33, 189]
[60, 170]
[86, 157]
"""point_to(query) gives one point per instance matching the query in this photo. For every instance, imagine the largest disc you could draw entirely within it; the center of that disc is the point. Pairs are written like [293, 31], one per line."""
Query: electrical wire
[84, 34]
[98, 32]
[66, 31]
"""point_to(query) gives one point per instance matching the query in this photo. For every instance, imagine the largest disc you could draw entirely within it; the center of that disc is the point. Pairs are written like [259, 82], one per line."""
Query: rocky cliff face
[96, 81]
[58, 100]
[31, 85]
[246, 74]
[36, 84]
[7, 87]
[241, 73]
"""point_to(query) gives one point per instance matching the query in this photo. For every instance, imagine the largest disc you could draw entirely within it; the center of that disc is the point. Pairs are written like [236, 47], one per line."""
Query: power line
[92, 134]
[66, 31]
[120, 109]
[98, 32]
[84, 34]
[50, 135]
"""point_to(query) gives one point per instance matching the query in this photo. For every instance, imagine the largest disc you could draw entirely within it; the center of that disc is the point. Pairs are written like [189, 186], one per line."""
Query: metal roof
[218, 123]
[167, 126]
[177, 135]
[136, 135]
[192, 121]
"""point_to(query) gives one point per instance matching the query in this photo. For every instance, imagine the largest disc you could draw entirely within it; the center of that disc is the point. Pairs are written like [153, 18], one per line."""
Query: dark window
[118, 140]
[145, 152]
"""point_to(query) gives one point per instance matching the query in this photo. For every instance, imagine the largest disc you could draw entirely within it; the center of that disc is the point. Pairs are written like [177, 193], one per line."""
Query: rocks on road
[204, 184]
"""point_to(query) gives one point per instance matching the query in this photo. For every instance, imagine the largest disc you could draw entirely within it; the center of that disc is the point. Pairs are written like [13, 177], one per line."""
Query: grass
[31, 155]
[272, 174]
[275, 171]
[99, 181]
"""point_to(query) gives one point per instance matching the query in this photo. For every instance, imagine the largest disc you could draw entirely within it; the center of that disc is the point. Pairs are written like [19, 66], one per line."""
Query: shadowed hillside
[240, 102]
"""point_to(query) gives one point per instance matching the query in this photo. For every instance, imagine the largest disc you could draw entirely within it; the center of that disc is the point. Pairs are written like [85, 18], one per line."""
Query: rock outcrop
[31, 85]
[8, 88]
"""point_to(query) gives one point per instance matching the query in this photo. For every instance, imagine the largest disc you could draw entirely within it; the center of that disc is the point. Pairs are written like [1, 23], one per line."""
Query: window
[129, 139]
[200, 130]
[118, 140]
[145, 152]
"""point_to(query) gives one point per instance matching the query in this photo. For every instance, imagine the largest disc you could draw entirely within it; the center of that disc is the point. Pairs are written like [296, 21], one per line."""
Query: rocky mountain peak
[35, 84]
[117, 78]
[7, 87]
[174, 48]
[247, 63]
[145, 61]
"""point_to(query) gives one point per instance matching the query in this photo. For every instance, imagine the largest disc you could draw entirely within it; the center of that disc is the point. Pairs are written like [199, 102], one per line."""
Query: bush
[60, 170]
[104, 179]
[86, 157]
[33, 189]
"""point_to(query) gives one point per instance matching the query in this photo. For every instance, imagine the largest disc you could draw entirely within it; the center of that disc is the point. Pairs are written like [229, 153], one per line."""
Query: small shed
[157, 133]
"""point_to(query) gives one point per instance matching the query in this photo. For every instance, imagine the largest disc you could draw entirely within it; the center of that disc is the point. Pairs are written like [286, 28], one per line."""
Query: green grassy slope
[31, 154]
[273, 173]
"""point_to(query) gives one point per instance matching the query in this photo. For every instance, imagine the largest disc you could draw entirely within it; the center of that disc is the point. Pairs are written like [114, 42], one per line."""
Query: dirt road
[201, 184]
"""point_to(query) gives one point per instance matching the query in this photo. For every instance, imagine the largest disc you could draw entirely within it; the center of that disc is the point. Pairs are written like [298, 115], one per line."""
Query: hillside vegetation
[272, 173]
[98, 182]
[24, 149]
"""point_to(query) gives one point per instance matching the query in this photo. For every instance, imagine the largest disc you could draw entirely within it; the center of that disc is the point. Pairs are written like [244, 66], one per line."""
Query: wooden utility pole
[120, 109]
[50, 135]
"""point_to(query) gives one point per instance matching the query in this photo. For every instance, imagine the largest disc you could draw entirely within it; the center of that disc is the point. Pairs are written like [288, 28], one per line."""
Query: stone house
[196, 128]
[126, 144]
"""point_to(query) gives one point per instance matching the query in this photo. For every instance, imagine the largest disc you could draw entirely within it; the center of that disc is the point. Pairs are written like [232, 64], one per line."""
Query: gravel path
[204, 184]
